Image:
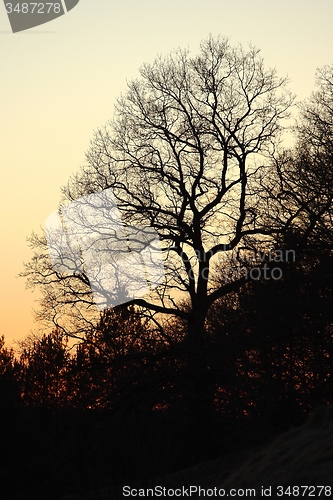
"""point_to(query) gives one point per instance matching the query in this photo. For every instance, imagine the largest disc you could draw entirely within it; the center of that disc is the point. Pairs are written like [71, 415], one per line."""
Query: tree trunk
[198, 385]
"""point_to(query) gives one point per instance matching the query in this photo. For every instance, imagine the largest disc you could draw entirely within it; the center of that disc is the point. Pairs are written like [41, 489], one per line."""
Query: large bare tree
[186, 154]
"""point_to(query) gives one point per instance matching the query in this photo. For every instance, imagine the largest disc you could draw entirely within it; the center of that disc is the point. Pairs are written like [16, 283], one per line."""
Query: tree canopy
[185, 154]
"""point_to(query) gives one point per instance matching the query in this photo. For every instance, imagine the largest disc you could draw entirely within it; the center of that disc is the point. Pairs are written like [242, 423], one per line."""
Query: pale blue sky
[59, 82]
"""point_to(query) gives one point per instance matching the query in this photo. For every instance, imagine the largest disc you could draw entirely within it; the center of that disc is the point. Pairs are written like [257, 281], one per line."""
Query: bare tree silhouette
[185, 155]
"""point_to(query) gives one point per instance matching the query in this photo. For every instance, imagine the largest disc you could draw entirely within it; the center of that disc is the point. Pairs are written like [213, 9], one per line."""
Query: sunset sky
[59, 82]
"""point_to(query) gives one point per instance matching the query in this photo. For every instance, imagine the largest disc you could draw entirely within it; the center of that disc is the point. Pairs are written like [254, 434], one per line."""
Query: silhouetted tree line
[113, 407]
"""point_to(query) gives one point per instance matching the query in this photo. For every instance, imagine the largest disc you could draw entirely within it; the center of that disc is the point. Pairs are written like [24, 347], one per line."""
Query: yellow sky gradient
[59, 82]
